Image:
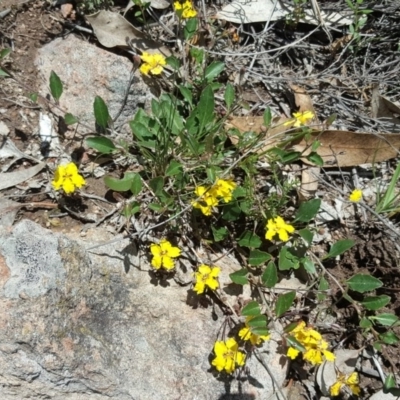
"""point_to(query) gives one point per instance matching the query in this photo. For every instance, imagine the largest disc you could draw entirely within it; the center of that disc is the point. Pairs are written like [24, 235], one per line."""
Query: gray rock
[86, 72]
[76, 326]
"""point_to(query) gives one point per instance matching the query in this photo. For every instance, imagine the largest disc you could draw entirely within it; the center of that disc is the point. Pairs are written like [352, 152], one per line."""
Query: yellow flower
[300, 118]
[342, 380]
[68, 178]
[292, 353]
[207, 201]
[152, 63]
[246, 334]
[223, 188]
[280, 227]
[227, 356]
[356, 195]
[315, 346]
[206, 277]
[185, 10]
[163, 254]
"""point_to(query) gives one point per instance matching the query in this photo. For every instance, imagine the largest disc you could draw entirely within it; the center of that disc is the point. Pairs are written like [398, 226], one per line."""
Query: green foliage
[101, 112]
[284, 303]
[363, 283]
[56, 86]
[388, 202]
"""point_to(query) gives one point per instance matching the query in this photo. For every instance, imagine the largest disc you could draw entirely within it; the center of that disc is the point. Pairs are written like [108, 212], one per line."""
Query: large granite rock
[88, 71]
[75, 327]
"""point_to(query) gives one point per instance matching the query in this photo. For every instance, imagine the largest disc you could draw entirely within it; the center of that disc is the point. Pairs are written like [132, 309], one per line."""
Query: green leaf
[287, 260]
[389, 338]
[69, 119]
[102, 144]
[363, 283]
[267, 116]
[231, 212]
[56, 86]
[120, 185]
[213, 70]
[307, 235]
[187, 94]
[340, 247]
[365, 323]
[249, 239]
[174, 168]
[316, 159]
[101, 114]
[323, 285]
[258, 257]
[385, 319]
[173, 62]
[157, 185]
[137, 185]
[331, 119]
[205, 113]
[251, 309]
[219, 234]
[260, 331]
[284, 302]
[270, 275]
[390, 381]
[3, 73]
[375, 302]
[260, 321]
[130, 209]
[308, 210]
[290, 327]
[229, 95]
[4, 53]
[295, 344]
[33, 97]
[309, 266]
[190, 28]
[240, 277]
[156, 207]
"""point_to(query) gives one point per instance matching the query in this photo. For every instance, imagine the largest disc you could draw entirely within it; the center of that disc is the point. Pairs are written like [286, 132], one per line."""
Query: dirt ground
[29, 26]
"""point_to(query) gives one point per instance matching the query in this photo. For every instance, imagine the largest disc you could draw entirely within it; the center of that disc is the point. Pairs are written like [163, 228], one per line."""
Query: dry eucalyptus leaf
[10, 179]
[347, 149]
[112, 30]
[338, 148]
[244, 11]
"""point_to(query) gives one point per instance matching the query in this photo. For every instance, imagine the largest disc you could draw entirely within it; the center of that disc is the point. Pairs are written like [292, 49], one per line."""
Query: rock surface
[76, 326]
[87, 71]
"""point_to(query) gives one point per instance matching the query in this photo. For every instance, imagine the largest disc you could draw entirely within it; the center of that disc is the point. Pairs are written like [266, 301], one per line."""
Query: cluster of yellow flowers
[152, 63]
[299, 119]
[67, 177]
[222, 189]
[315, 347]
[227, 353]
[351, 381]
[277, 226]
[185, 10]
[163, 257]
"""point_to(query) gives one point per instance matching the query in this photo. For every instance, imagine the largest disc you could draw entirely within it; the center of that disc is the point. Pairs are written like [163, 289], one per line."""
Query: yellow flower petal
[168, 262]
[335, 388]
[156, 262]
[199, 287]
[292, 353]
[155, 250]
[329, 355]
[356, 195]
